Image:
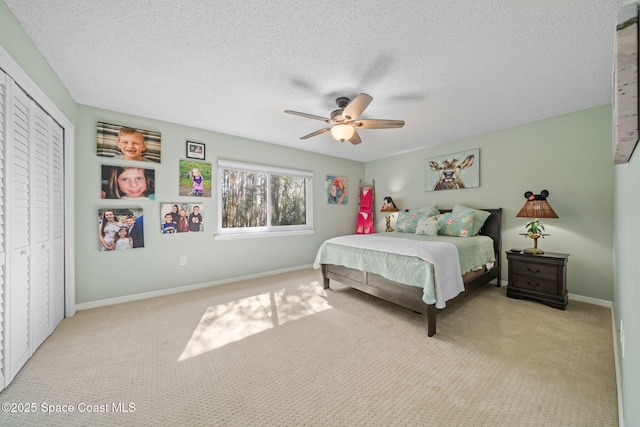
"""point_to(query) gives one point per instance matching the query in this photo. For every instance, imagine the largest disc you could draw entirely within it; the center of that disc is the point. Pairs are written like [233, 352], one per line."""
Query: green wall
[570, 156]
[627, 281]
[156, 267]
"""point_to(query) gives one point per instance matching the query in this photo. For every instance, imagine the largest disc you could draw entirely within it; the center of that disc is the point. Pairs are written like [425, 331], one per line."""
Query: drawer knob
[533, 284]
[533, 271]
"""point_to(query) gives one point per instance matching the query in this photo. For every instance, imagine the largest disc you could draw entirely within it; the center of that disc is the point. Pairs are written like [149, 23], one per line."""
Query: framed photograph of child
[181, 218]
[127, 143]
[120, 228]
[195, 150]
[195, 178]
[124, 182]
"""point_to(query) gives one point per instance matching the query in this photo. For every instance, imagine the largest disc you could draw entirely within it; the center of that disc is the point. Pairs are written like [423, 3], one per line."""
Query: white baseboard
[170, 291]
[574, 297]
[616, 362]
[595, 301]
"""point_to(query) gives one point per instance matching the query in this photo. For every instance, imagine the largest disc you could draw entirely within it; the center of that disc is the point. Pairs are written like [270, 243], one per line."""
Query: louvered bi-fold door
[35, 293]
[39, 171]
[3, 222]
[56, 208]
[32, 237]
[46, 302]
[18, 162]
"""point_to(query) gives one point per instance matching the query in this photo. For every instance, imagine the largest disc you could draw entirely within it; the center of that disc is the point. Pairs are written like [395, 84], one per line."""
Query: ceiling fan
[345, 120]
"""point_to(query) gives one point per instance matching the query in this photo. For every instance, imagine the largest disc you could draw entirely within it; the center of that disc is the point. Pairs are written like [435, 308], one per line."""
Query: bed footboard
[403, 295]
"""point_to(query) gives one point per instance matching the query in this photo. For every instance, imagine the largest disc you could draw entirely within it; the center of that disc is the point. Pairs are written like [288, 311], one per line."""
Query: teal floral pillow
[428, 226]
[456, 224]
[479, 217]
[408, 220]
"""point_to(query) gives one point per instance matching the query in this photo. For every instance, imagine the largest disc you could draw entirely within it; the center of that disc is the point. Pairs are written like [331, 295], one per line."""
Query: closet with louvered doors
[31, 227]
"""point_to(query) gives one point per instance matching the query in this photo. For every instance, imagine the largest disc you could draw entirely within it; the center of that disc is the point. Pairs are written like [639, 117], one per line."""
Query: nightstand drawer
[534, 283]
[538, 271]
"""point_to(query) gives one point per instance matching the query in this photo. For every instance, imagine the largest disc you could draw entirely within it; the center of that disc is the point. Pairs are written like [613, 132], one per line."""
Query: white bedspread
[442, 255]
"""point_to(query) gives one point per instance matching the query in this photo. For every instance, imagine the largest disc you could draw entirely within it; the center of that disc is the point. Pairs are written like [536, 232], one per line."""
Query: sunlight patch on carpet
[226, 323]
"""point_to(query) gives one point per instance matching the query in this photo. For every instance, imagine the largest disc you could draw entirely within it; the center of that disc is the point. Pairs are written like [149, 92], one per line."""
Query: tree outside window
[257, 198]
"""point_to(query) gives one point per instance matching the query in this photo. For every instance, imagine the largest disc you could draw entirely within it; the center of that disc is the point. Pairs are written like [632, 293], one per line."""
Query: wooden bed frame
[410, 296]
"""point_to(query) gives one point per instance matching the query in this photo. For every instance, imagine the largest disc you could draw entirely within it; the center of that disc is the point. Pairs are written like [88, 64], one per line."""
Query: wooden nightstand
[539, 277]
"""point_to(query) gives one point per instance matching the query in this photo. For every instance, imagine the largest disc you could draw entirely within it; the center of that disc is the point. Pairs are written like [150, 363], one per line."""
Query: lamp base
[533, 251]
[389, 229]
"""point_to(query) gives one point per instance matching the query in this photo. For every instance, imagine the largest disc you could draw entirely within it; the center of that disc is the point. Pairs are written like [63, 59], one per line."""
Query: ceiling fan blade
[378, 124]
[355, 139]
[318, 132]
[356, 107]
[308, 116]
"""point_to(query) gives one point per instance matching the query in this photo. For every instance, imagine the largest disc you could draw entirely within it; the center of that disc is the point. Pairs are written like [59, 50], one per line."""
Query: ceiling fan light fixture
[342, 133]
[344, 120]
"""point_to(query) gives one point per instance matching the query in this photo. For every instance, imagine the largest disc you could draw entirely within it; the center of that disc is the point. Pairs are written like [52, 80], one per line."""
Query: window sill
[257, 235]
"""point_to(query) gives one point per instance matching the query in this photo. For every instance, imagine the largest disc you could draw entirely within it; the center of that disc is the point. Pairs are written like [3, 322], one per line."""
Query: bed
[358, 262]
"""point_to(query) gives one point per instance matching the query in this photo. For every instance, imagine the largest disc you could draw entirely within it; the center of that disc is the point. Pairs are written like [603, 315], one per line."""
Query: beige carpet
[280, 351]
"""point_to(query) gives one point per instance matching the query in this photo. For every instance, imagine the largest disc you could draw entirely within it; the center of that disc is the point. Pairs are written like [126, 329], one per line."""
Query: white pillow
[428, 226]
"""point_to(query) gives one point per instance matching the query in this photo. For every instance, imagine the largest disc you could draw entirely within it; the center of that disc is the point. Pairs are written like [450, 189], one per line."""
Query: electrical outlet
[622, 338]
[183, 260]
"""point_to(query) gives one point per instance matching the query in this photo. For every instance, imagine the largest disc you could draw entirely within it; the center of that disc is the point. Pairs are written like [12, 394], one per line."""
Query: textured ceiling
[450, 69]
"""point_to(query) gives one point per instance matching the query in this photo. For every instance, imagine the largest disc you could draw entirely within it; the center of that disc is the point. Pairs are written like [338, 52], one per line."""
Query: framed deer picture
[452, 171]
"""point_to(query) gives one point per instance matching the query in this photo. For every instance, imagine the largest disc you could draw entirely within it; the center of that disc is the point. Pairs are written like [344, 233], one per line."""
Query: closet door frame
[11, 67]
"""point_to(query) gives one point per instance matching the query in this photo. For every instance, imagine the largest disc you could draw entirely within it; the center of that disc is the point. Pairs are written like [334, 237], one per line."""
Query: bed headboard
[492, 228]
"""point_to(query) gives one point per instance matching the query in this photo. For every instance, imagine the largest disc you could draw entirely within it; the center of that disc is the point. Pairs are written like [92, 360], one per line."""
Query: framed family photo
[120, 229]
[195, 150]
[123, 182]
[195, 178]
[181, 218]
[127, 143]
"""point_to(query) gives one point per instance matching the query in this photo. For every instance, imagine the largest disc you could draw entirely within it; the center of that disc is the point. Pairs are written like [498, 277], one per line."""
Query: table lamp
[536, 207]
[390, 208]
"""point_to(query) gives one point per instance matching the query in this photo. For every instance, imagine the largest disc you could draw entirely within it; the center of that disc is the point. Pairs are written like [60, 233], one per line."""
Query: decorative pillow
[456, 224]
[428, 226]
[430, 210]
[479, 217]
[408, 220]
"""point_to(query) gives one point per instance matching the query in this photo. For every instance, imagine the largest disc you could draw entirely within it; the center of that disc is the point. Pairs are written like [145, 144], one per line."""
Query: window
[261, 199]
